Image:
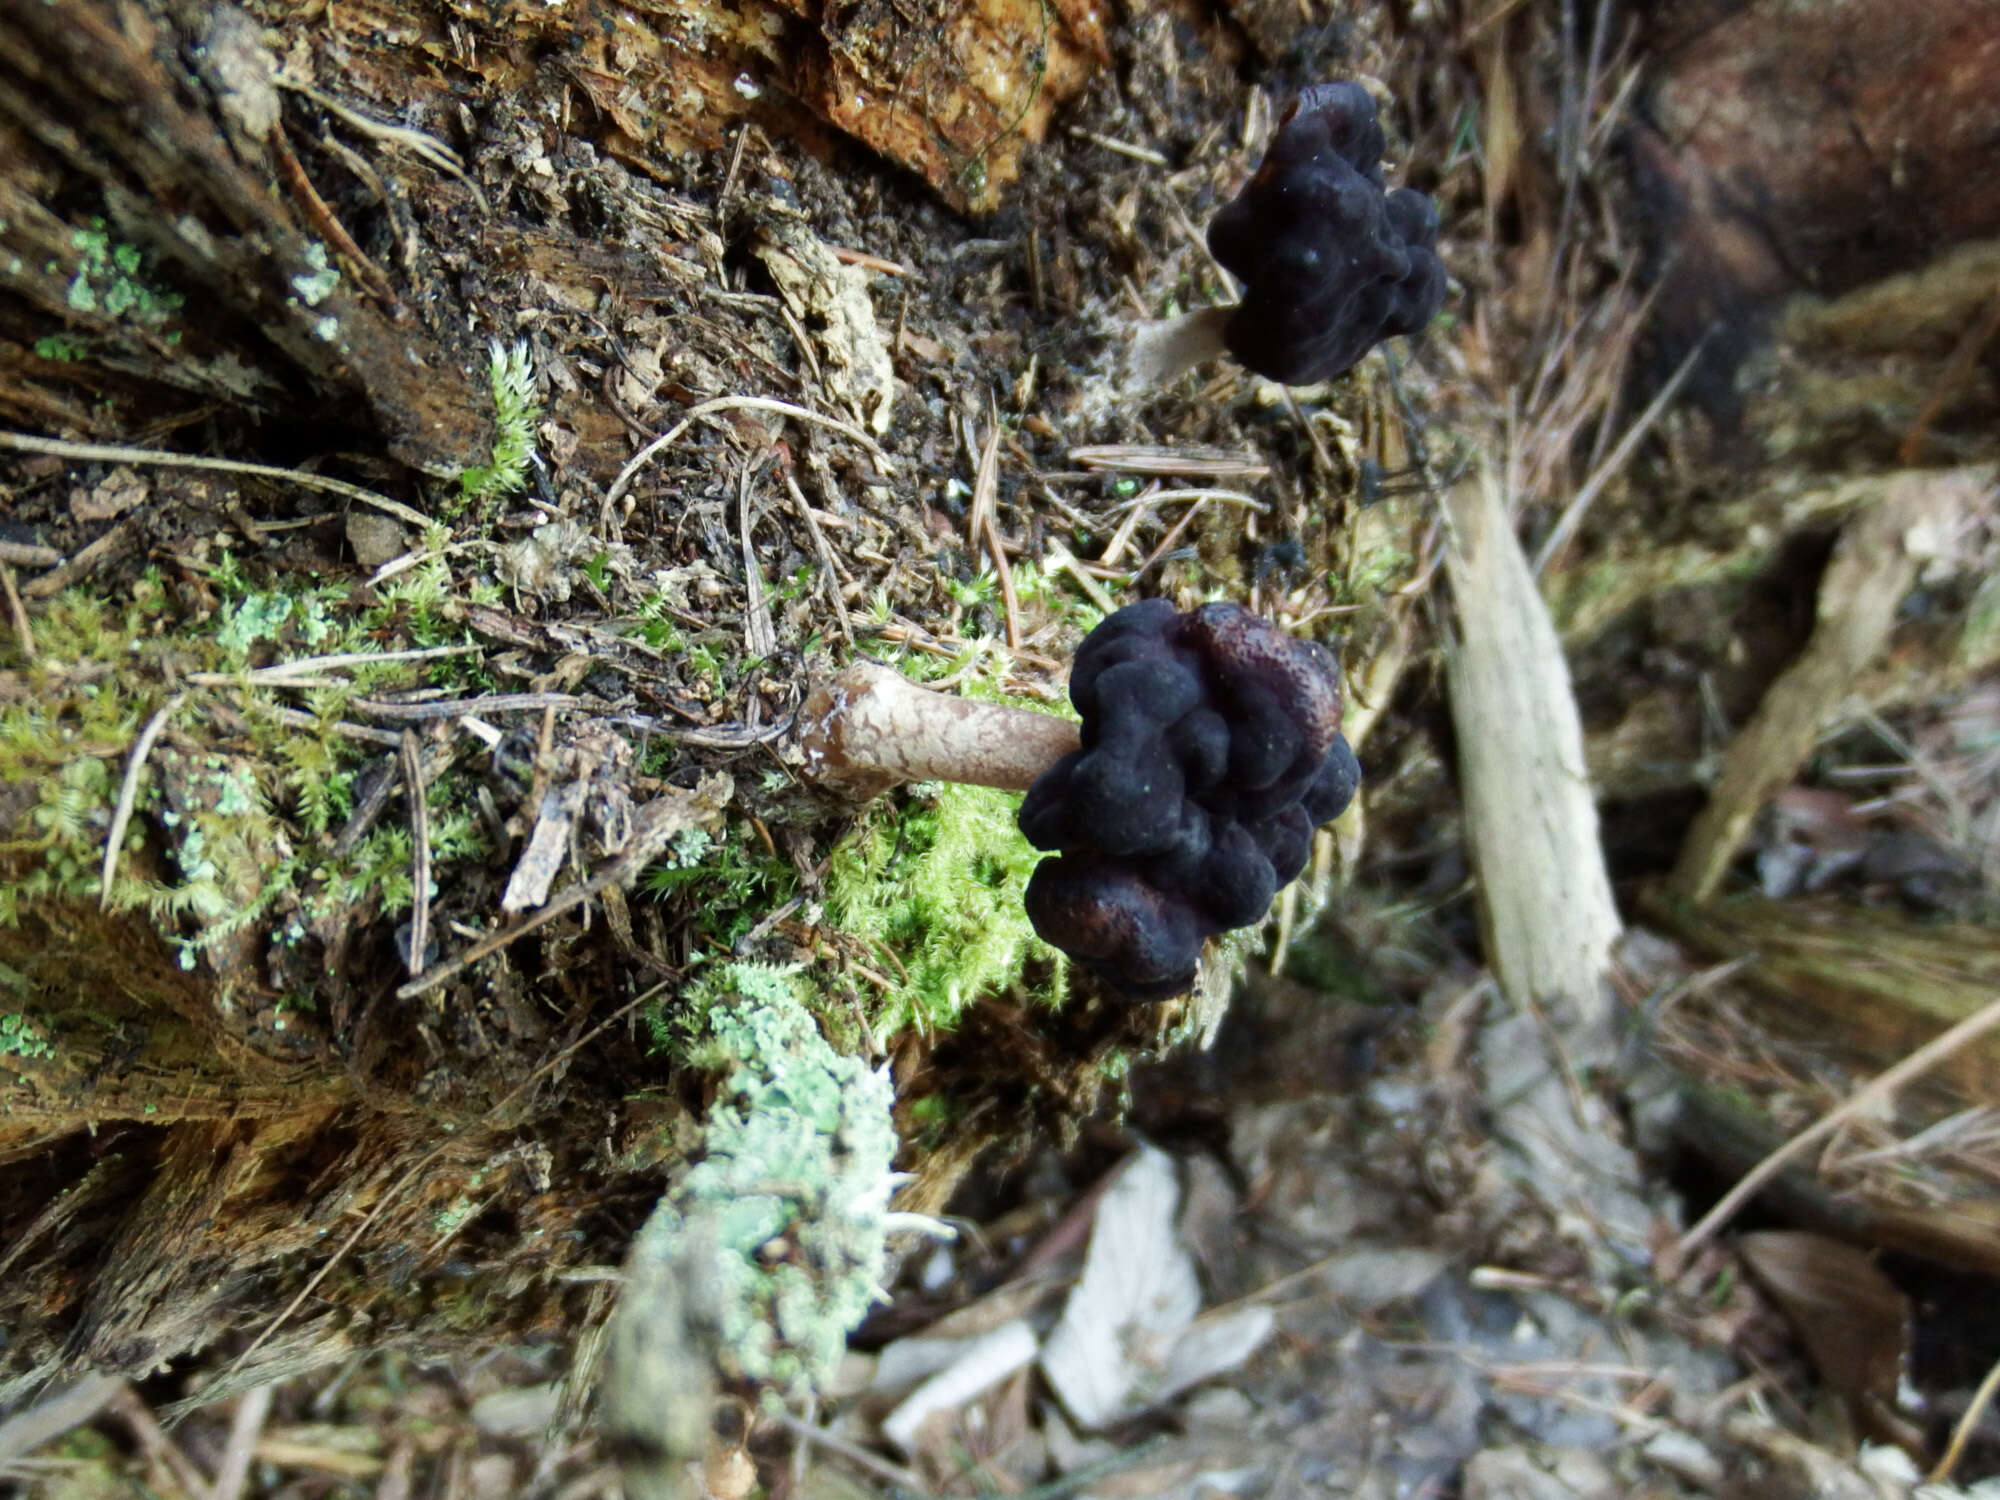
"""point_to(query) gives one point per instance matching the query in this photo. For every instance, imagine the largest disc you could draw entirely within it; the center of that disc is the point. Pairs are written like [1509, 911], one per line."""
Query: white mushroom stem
[1160, 353]
[867, 728]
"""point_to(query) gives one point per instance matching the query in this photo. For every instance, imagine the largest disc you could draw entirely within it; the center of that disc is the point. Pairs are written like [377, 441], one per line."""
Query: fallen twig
[1870, 1097]
[24, 442]
[246, 1426]
[708, 409]
[128, 795]
[1873, 567]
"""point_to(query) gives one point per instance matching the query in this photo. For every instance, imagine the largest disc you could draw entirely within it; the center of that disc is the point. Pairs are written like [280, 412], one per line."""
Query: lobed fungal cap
[1331, 265]
[1211, 750]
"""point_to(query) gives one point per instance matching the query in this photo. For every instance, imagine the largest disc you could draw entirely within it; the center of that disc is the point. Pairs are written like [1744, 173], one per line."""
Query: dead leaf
[113, 495]
[1853, 1320]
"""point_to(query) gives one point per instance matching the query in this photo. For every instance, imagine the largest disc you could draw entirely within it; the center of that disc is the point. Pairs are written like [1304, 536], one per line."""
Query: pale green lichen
[317, 283]
[110, 279]
[59, 348]
[20, 1037]
[783, 1221]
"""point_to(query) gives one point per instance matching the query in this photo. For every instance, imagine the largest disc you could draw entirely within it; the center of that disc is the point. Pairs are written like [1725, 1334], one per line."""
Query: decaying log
[953, 92]
[147, 267]
[169, 1185]
[163, 251]
[1779, 157]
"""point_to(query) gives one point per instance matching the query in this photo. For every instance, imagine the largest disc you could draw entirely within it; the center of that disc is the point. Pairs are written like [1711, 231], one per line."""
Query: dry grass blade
[829, 568]
[983, 528]
[760, 636]
[427, 147]
[160, 1449]
[1164, 497]
[1573, 513]
[128, 795]
[1872, 1096]
[420, 851]
[23, 442]
[1172, 463]
[17, 612]
[1967, 1425]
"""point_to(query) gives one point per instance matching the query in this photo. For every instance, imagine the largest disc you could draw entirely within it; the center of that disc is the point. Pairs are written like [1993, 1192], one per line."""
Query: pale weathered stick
[1544, 896]
[1545, 906]
[1873, 566]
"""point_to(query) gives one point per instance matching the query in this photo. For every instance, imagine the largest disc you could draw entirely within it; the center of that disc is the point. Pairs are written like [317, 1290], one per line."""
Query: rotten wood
[171, 274]
[954, 93]
[1779, 157]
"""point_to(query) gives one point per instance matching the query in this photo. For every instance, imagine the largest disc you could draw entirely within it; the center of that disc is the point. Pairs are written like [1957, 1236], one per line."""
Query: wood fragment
[115, 543]
[666, 816]
[28, 555]
[870, 728]
[1544, 897]
[67, 1406]
[1873, 567]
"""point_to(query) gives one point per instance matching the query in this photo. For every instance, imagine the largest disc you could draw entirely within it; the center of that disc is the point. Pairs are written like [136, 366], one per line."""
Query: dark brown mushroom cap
[1331, 265]
[1211, 750]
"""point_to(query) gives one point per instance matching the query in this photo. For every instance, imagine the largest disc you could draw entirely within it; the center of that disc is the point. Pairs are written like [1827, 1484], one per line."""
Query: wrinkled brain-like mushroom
[1211, 750]
[1331, 265]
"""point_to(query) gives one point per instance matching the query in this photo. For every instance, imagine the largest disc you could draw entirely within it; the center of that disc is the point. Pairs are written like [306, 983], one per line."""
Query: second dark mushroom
[1331, 263]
